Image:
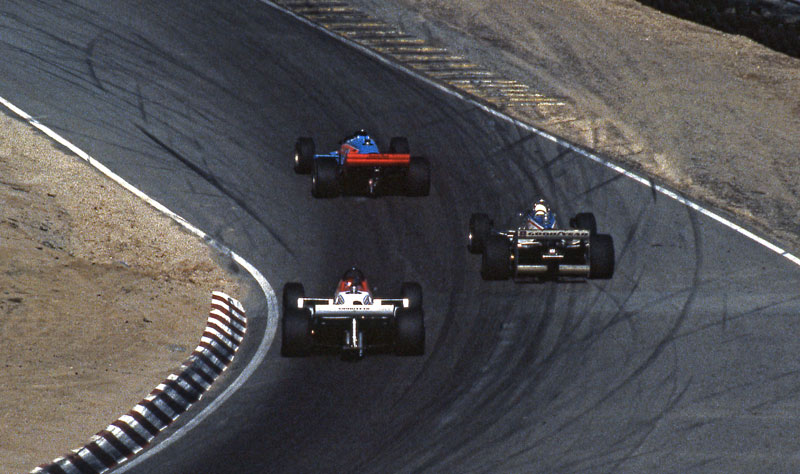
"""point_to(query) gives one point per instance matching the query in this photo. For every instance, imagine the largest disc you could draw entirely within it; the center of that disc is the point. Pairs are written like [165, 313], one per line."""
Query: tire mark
[213, 181]
[654, 355]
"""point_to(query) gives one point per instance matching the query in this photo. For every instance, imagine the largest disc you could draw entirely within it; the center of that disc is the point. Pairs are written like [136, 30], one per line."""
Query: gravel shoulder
[102, 297]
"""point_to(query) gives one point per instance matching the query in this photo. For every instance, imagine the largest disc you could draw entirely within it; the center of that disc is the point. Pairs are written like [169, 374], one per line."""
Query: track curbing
[135, 430]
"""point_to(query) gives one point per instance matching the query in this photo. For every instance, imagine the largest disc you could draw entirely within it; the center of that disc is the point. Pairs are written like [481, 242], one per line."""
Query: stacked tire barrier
[131, 432]
[775, 24]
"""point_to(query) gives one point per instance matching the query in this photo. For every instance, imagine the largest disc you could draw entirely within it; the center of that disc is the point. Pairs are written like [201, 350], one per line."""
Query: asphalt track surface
[685, 361]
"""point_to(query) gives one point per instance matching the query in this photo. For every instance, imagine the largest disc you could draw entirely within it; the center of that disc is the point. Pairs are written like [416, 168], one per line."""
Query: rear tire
[399, 145]
[418, 180]
[585, 221]
[495, 263]
[410, 332]
[304, 150]
[479, 228]
[295, 323]
[412, 291]
[325, 179]
[601, 256]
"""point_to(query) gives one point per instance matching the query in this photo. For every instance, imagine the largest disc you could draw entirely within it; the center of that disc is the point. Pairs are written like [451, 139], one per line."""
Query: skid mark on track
[213, 181]
[487, 373]
[90, 64]
[655, 354]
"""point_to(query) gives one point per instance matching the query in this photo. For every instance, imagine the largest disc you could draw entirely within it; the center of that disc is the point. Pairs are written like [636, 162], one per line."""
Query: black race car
[533, 250]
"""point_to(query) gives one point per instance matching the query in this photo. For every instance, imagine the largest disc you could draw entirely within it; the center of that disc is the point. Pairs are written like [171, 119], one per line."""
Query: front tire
[495, 264]
[410, 332]
[304, 150]
[295, 323]
[418, 180]
[479, 228]
[325, 179]
[601, 256]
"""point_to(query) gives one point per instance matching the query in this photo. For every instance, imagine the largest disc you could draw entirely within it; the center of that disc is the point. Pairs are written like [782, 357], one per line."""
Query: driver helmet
[361, 133]
[355, 277]
[540, 208]
[540, 216]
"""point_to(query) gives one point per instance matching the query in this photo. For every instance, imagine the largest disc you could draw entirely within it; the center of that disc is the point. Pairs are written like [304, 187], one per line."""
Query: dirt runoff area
[101, 297]
[713, 115]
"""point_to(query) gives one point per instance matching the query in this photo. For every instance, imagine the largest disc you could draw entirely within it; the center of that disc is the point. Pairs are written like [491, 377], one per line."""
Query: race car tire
[495, 263]
[304, 150]
[585, 221]
[601, 256]
[412, 291]
[399, 145]
[410, 333]
[418, 181]
[295, 323]
[325, 178]
[479, 228]
[291, 293]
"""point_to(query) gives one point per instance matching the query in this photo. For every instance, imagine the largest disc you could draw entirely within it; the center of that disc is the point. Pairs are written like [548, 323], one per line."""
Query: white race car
[353, 320]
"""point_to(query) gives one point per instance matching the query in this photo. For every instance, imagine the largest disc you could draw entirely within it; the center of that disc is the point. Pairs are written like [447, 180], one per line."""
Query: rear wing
[306, 302]
[553, 234]
[377, 159]
[324, 307]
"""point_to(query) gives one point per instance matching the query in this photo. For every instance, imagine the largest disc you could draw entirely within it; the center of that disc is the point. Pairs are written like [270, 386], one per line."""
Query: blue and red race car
[358, 166]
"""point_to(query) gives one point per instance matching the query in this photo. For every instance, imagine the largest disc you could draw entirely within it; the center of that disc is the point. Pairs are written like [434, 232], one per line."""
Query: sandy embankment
[101, 297]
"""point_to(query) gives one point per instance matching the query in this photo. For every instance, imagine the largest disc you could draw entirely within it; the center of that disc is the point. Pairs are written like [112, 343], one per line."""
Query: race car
[536, 250]
[353, 321]
[358, 166]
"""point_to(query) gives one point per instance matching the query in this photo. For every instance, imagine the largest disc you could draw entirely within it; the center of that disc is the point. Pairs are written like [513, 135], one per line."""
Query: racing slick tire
[585, 221]
[325, 178]
[410, 332]
[479, 228]
[295, 323]
[418, 180]
[412, 291]
[495, 263]
[304, 155]
[399, 145]
[601, 256]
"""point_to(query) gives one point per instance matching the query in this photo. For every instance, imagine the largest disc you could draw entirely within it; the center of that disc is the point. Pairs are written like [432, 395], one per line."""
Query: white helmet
[540, 207]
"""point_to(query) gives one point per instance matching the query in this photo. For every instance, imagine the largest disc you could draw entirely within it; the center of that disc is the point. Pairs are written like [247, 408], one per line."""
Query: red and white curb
[133, 431]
